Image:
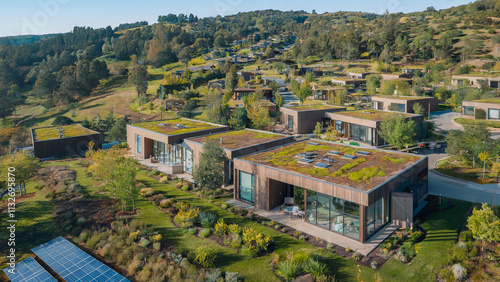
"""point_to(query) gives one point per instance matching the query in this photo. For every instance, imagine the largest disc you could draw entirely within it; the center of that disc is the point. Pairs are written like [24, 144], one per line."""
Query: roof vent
[306, 161]
[313, 143]
[327, 160]
[351, 157]
[322, 165]
[363, 153]
[334, 153]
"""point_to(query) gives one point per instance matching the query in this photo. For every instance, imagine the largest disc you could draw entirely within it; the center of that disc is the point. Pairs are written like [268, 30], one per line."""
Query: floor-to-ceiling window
[290, 122]
[188, 160]
[247, 186]
[339, 126]
[138, 144]
[377, 215]
[360, 133]
[333, 213]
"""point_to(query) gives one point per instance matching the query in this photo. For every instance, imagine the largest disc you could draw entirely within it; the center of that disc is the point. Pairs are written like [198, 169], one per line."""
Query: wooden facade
[304, 121]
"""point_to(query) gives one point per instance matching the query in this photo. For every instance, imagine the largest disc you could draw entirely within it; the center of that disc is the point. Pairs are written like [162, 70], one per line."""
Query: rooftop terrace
[360, 169]
[238, 139]
[58, 132]
[175, 126]
[370, 114]
[314, 107]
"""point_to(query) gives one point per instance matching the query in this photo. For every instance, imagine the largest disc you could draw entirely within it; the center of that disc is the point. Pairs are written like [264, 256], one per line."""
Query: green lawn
[487, 123]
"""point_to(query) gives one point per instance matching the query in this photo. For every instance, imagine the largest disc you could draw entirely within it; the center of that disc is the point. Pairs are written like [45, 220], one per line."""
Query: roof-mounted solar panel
[327, 159]
[363, 153]
[333, 153]
[322, 165]
[306, 161]
[351, 157]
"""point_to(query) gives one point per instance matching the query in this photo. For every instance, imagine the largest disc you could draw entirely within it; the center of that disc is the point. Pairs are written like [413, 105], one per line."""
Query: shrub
[62, 120]
[204, 233]
[296, 233]
[374, 265]
[330, 246]
[459, 272]
[191, 231]
[466, 236]
[156, 238]
[166, 203]
[473, 253]
[459, 253]
[480, 114]
[155, 172]
[415, 235]
[220, 228]
[144, 243]
[357, 256]
[348, 250]
[81, 221]
[157, 246]
[207, 220]
[300, 257]
[408, 250]
[234, 229]
[84, 236]
[303, 238]
[214, 276]
[92, 242]
[258, 241]
[445, 275]
[178, 185]
[224, 206]
[185, 188]
[186, 217]
[232, 277]
[134, 235]
[205, 256]
[164, 179]
[134, 266]
[315, 268]
[288, 270]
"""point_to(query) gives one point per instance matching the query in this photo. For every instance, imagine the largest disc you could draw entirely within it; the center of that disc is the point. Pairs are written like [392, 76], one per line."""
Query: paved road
[443, 120]
[440, 185]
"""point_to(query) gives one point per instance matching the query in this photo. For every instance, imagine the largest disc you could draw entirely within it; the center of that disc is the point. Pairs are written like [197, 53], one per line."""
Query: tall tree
[25, 164]
[397, 131]
[484, 224]
[138, 76]
[209, 173]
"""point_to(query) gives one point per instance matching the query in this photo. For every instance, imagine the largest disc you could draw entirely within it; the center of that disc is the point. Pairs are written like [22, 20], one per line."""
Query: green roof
[370, 114]
[175, 126]
[402, 97]
[58, 132]
[315, 107]
[239, 138]
[364, 172]
[492, 101]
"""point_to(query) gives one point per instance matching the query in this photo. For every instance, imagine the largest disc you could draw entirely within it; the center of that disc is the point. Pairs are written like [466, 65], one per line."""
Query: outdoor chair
[289, 201]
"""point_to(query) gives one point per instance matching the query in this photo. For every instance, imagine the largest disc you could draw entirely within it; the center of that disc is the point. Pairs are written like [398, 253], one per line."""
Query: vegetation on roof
[239, 138]
[493, 101]
[363, 173]
[402, 97]
[170, 127]
[369, 114]
[312, 107]
[49, 133]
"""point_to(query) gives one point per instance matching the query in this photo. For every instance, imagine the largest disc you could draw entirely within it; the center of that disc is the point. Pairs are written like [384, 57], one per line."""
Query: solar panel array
[73, 264]
[29, 270]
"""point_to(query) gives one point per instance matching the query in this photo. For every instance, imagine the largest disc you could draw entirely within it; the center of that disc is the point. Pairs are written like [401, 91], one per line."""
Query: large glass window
[337, 215]
[493, 114]
[247, 186]
[379, 106]
[360, 133]
[351, 220]
[323, 211]
[468, 111]
[377, 215]
[290, 121]
[311, 207]
[188, 160]
[138, 144]
[398, 107]
[339, 126]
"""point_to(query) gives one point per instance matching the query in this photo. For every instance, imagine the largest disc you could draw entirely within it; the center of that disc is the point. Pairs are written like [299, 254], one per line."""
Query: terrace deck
[362, 173]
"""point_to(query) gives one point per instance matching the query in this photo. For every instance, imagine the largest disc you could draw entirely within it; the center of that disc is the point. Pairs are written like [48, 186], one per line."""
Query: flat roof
[59, 132]
[403, 97]
[474, 76]
[237, 139]
[491, 101]
[357, 168]
[176, 126]
[374, 115]
[314, 107]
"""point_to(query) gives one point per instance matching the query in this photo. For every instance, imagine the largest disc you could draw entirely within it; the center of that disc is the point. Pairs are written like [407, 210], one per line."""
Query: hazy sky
[55, 16]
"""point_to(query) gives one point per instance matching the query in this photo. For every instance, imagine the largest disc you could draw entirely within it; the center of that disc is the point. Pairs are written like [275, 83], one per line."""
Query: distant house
[412, 70]
[209, 68]
[348, 81]
[316, 71]
[63, 141]
[240, 92]
[322, 92]
[397, 76]
[217, 84]
[476, 80]
[359, 75]
[490, 106]
[303, 119]
[405, 104]
[268, 79]
[249, 75]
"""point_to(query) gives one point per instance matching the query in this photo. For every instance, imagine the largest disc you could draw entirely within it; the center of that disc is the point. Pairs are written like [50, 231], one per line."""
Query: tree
[397, 131]
[62, 120]
[318, 129]
[278, 101]
[185, 56]
[372, 83]
[484, 156]
[119, 130]
[209, 172]
[304, 92]
[138, 76]
[259, 117]
[484, 224]
[418, 109]
[340, 97]
[25, 164]
[238, 119]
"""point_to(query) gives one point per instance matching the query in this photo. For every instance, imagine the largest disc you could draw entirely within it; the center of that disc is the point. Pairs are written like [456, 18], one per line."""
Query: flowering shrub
[205, 256]
[256, 241]
[221, 228]
[187, 217]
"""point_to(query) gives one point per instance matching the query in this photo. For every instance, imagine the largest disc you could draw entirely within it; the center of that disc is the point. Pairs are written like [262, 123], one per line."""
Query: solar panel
[29, 270]
[322, 165]
[307, 155]
[363, 153]
[333, 152]
[328, 159]
[349, 157]
[313, 143]
[307, 161]
[73, 264]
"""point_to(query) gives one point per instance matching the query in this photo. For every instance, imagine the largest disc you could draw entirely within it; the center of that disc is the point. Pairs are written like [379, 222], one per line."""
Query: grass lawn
[487, 123]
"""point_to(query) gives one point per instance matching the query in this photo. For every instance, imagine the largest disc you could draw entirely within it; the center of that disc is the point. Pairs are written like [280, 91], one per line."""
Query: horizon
[60, 16]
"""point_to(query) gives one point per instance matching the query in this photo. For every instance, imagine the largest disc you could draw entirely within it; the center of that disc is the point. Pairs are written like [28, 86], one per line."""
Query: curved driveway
[443, 120]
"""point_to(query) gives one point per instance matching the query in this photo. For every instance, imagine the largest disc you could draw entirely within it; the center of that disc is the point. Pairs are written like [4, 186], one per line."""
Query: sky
[57, 16]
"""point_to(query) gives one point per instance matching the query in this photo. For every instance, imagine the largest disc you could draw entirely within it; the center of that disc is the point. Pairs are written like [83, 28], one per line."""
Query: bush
[166, 203]
[234, 229]
[134, 235]
[357, 256]
[207, 220]
[330, 246]
[473, 253]
[92, 242]
[288, 270]
[164, 179]
[232, 277]
[466, 236]
[156, 238]
[157, 246]
[224, 206]
[374, 265]
[191, 231]
[185, 188]
[155, 172]
[480, 114]
[179, 185]
[459, 272]
[205, 256]
[84, 236]
[315, 268]
[144, 243]
[62, 120]
[220, 228]
[445, 275]
[204, 233]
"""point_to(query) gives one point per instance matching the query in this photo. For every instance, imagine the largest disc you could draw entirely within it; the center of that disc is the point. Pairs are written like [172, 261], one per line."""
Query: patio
[166, 169]
[313, 230]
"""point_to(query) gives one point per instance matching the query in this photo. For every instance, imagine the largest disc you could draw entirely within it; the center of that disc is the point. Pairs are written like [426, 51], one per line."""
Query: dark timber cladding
[270, 181]
[303, 119]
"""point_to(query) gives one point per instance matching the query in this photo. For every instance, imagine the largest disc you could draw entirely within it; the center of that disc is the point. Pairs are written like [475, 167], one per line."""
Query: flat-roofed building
[364, 125]
[490, 106]
[347, 190]
[404, 104]
[303, 119]
[476, 80]
[163, 141]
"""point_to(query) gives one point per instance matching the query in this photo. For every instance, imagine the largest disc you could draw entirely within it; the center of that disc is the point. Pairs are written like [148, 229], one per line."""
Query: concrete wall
[70, 146]
[479, 105]
[304, 122]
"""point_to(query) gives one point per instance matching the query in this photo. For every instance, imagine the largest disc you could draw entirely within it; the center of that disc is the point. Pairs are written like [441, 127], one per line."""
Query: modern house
[475, 80]
[163, 141]
[490, 106]
[303, 119]
[62, 141]
[364, 125]
[236, 144]
[339, 188]
[240, 92]
[359, 75]
[404, 104]
[397, 76]
[349, 81]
